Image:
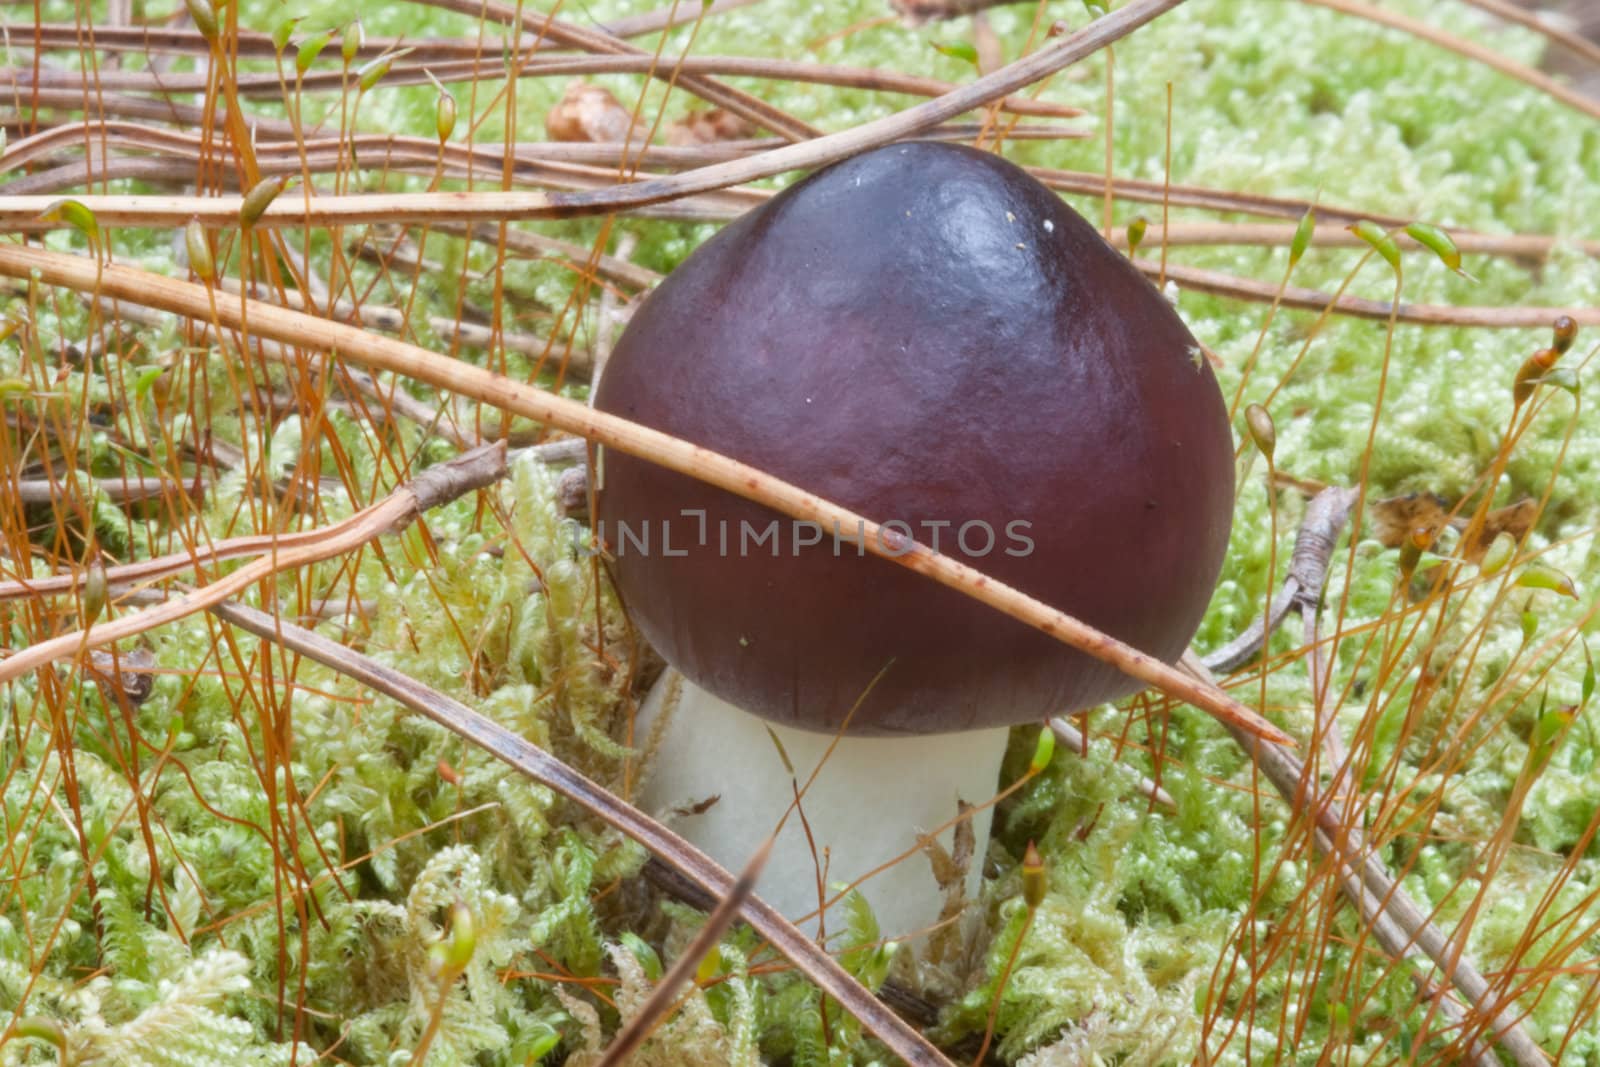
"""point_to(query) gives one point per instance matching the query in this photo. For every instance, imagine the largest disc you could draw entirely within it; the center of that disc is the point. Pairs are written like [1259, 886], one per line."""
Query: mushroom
[928, 336]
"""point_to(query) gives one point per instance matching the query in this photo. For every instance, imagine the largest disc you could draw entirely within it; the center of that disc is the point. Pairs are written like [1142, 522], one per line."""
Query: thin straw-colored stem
[1211, 281]
[22, 212]
[291, 327]
[539, 765]
[416, 71]
[1401, 927]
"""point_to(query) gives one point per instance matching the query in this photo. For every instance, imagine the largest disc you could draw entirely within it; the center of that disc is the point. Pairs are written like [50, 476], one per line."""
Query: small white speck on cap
[1010, 217]
[1049, 226]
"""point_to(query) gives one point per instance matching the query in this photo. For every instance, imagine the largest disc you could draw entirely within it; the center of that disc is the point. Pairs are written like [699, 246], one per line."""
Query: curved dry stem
[468, 471]
[665, 993]
[497, 207]
[158, 567]
[548, 27]
[1213, 281]
[251, 44]
[150, 570]
[290, 327]
[417, 70]
[1281, 235]
[559, 165]
[544, 768]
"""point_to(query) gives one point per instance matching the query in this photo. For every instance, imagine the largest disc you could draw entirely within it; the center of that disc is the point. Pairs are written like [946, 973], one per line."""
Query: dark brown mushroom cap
[925, 334]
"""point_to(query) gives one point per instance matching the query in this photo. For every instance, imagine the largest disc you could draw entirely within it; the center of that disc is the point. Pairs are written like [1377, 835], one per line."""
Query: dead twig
[1470, 49]
[434, 486]
[1535, 246]
[555, 453]
[538, 765]
[389, 401]
[612, 268]
[665, 993]
[251, 44]
[1320, 529]
[130, 490]
[416, 71]
[1074, 739]
[23, 212]
[917, 12]
[291, 327]
[548, 27]
[1211, 281]
[1325, 519]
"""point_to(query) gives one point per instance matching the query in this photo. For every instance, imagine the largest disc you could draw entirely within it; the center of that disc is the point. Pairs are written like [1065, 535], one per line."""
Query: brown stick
[23, 212]
[1211, 281]
[569, 450]
[482, 466]
[1320, 529]
[548, 27]
[117, 490]
[666, 991]
[281, 324]
[1281, 235]
[1074, 739]
[416, 71]
[539, 765]
[255, 45]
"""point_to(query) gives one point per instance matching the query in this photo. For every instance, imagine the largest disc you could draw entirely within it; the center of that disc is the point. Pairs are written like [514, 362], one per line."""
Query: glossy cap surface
[927, 335]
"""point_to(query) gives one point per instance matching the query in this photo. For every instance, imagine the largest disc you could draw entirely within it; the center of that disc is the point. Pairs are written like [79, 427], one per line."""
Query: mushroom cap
[924, 334]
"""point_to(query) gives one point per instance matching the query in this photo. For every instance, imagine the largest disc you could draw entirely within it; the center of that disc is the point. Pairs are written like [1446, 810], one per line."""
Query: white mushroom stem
[871, 799]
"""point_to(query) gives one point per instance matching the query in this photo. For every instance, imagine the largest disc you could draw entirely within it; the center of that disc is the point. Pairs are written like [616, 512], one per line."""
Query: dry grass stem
[295, 328]
[20, 213]
[548, 27]
[433, 486]
[420, 64]
[1280, 235]
[1320, 529]
[540, 766]
[251, 44]
[1075, 739]
[665, 994]
[1504, 318]
[130, 490]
